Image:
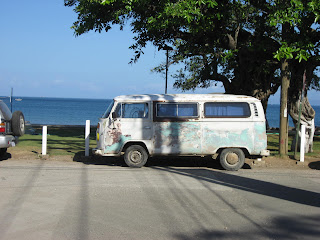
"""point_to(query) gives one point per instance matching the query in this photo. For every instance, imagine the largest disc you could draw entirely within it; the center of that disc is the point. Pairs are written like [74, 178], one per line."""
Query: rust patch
[115, 135]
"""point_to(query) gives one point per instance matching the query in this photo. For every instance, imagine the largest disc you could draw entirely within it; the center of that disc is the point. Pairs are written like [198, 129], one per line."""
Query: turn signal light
[2, 127]
[98, 137]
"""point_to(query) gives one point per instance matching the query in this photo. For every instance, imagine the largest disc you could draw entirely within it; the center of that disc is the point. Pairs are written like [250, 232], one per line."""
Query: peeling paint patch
[177, 137]
[114, 139]
[116, 147]
[260, 138]
[225, 136]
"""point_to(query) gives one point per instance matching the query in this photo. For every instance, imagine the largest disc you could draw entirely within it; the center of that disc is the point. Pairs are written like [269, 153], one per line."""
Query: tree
[241, 43]
[297, 21]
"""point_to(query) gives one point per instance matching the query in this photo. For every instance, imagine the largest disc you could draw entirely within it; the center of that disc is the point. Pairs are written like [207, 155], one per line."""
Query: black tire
[2, 152]
[18, 124]
[135, 156]
[232, 159]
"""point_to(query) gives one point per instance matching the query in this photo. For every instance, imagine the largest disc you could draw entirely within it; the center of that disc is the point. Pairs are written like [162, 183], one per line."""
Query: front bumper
[97, 151]
[8, 141]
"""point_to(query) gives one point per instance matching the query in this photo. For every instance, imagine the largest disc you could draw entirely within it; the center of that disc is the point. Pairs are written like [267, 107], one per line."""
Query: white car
[12, 126]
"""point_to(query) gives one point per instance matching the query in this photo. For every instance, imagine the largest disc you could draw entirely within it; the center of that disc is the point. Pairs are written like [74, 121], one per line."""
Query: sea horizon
[78, 98]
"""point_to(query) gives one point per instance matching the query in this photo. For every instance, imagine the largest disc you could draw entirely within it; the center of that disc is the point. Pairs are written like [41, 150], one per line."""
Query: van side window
[132, 110]
[227, 109]
[177, 110]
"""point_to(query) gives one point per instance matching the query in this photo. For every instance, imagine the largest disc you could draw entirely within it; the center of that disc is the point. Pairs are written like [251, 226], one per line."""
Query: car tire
[2, 152]
[18, 124]
[135, 156]
[232, 159]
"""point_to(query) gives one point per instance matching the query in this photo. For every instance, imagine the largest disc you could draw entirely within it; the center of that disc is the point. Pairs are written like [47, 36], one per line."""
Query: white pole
[303, 139]
[87, 138]
[44, 140]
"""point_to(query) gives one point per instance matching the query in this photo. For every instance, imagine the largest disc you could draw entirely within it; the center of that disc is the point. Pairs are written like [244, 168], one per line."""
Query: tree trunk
[283, 138]
[295, 91]
[307, 119]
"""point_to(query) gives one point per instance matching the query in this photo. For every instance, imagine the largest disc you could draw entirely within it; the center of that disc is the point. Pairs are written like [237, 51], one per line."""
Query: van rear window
[227, 109]
[177, 110]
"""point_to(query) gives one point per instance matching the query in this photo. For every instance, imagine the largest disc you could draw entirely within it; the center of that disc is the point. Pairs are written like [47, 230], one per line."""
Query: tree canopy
[240, 43]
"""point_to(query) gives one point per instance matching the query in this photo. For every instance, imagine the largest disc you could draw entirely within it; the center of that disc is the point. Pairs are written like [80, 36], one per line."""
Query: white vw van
[140, 126]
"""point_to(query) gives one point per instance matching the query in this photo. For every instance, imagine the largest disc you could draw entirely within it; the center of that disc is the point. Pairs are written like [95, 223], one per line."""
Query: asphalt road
[69, 200]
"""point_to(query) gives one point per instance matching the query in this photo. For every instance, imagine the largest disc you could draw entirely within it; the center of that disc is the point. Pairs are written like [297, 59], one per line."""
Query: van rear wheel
[135, 156]
[232, 159]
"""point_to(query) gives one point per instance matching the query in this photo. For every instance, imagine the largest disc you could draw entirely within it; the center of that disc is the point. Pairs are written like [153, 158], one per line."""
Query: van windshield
[107, 113]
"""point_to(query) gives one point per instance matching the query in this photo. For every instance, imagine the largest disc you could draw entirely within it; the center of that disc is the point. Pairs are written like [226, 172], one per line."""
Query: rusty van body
[140, 126]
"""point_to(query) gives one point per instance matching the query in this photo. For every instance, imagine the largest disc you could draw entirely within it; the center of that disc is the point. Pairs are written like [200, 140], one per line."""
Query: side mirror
[114, 115]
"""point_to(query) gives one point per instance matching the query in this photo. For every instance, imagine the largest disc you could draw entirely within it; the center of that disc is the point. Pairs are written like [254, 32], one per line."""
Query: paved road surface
[68, 200]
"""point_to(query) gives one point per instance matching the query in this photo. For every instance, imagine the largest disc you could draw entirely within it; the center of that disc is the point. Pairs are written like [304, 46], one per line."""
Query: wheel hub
[232, 158]
[136, 156]
[22, 123]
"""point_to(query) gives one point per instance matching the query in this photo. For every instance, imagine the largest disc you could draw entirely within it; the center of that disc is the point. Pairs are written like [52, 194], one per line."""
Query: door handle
[147, 127]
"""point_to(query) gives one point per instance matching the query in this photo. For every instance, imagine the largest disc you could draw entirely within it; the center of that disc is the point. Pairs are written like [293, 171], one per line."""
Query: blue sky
[41, 57]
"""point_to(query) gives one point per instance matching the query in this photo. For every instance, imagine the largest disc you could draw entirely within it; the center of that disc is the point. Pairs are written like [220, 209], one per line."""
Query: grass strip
[69, 140]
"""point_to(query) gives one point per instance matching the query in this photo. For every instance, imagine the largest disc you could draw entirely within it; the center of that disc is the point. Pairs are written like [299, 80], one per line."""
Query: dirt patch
[30, 155]
[286, 163]
[267, 162]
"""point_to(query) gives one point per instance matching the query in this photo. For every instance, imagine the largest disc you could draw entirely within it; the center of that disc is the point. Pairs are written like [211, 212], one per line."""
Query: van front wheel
[232, 159]
[135, 156]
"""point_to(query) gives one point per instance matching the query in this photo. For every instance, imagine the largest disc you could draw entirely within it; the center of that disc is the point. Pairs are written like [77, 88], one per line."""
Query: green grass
[61, 140]
[70, 141]
[273, 145]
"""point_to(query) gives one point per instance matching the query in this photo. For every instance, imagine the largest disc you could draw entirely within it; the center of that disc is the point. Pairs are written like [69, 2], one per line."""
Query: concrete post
[87, 138]
[44, 140]
[302, 144]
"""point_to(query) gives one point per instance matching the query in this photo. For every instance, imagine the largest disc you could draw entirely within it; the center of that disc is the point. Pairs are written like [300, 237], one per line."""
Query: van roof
[185, 97]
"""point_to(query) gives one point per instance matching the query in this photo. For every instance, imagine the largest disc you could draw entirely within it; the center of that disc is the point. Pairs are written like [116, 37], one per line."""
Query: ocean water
[73, 111]
[273, 116]
[59, 111]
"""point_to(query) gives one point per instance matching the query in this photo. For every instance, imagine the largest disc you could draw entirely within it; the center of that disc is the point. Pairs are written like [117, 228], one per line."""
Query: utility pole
[167, 52]
[167, 48]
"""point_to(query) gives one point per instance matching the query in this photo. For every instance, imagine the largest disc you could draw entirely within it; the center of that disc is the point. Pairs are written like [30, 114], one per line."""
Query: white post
[303, 139]
[87, 138]
[44, 140]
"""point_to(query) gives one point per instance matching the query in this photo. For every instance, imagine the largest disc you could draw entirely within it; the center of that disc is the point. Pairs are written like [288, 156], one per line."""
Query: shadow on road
[293, 227]
[6, 156]
[154, 161]
[315, 165]
[250, 185]
[281, 227]
[97, 160]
